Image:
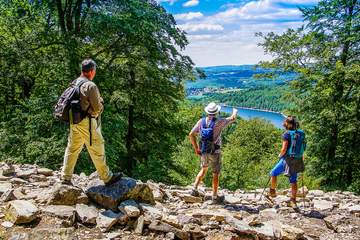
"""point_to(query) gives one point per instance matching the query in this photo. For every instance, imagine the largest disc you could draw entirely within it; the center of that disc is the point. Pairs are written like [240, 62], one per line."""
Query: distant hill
[236, 77]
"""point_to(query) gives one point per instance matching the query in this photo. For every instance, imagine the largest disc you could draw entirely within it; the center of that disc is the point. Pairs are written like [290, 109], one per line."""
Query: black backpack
[70, 100]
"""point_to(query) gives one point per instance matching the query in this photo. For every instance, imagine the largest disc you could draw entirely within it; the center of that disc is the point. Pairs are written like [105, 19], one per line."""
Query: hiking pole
[303, 191]
[264, 189]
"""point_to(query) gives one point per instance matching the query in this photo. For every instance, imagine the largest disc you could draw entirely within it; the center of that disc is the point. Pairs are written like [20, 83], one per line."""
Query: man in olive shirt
[88, 131]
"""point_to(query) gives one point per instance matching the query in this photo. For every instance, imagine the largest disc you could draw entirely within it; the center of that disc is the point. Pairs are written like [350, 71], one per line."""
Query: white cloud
[191, 3]
[239, 46]
[228, 36]
[258, 11]
[188, 16]
[197, 27]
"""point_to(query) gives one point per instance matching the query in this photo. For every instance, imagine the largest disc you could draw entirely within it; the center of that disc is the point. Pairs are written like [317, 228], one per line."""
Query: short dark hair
[291, 123]
[87, 65]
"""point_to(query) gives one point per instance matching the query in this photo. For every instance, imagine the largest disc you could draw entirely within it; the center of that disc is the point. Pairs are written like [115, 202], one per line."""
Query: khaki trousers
[80, 135]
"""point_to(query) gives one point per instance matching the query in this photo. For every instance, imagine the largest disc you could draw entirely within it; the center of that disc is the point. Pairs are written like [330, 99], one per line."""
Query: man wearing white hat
[209, 128]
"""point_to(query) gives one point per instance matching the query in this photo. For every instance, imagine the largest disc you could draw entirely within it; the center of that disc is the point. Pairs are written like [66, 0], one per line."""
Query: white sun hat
[212, 108]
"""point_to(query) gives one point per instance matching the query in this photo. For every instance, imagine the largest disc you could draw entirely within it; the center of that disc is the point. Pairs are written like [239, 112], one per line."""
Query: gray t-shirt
[220, 124]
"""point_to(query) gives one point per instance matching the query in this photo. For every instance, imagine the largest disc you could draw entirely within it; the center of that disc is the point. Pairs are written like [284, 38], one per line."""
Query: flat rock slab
[26, 173]
[45, 171]
[64, 215]
[159, 226]
[21, 211]
[151, 213]
[86, 214]
[108, 218]
[64, 195]
[127, 188]
[5, 186]
[52, 233]
[323, 205]
[190, 199]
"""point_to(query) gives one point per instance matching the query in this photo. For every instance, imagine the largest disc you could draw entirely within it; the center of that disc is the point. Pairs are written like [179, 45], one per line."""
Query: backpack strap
[203, 122]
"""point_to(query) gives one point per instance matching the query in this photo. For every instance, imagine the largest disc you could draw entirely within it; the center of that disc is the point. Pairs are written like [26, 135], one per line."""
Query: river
[245, 113]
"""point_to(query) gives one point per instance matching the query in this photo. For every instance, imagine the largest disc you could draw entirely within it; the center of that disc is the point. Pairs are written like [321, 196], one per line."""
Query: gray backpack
[70, 100]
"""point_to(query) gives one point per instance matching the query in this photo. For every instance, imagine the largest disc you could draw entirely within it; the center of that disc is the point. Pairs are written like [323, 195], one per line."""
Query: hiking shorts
[280, 168]
[214, 160]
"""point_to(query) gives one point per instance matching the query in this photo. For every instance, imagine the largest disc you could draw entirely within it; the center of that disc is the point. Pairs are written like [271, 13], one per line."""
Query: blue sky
[222, 32]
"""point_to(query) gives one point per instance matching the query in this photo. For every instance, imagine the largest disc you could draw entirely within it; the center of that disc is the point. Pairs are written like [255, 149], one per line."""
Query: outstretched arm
[232, 118]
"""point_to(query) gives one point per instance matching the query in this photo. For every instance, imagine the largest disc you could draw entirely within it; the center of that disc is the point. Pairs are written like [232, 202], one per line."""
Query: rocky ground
[34, 205]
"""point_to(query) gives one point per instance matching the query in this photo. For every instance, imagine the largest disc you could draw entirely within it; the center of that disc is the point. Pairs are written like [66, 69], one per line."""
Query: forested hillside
[276, 98]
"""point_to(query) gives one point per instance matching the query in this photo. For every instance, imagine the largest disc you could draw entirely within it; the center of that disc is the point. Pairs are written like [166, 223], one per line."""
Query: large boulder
[64, 195]
[127, 188]
[21, 211]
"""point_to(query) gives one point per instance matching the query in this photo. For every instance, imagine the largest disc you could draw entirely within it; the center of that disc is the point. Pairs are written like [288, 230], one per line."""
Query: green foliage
[140, 74]
[325, 53]
[252, 148]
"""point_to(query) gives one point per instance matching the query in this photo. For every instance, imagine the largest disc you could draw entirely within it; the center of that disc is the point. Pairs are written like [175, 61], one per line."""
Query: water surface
[274, 117]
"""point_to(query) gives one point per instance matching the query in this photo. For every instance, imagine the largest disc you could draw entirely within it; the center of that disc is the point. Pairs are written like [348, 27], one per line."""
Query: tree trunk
[130, 163]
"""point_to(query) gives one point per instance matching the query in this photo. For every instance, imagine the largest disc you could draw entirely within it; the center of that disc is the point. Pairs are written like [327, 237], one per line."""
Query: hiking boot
[66, 182]
[194, 192]
[217, 199]
[272, 193]
[292, 203]
[115, 178]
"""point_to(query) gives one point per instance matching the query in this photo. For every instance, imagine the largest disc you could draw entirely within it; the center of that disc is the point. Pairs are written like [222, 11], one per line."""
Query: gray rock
[130, 208]
[18, 181]
[19, 236]
[159, 226]
[45, 171]
[172, 220]
[7, 224]
[127, 188]
[63, 212]
[86, 214]
[139, 225]
[333, 221]
[191, 199]
[194, 230]
[108, 218]
[150, 213]
[323, 205]
[26, 173]
[183, 219]
[5, 186]
[6, 169]
[158, 193]
[291, 233]
[316, 193]
[21, 211]
[64, 195]
[354, 209]
[51, 233]
[7, 196]
[231, 199]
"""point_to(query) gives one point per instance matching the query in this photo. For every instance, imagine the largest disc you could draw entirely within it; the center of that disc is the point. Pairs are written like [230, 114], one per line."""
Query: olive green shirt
[90, 98]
